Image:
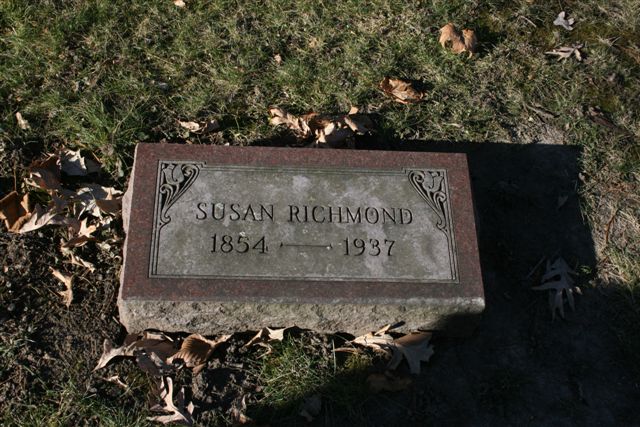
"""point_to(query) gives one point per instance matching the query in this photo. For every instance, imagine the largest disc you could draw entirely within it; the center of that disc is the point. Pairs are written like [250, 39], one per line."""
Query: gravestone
[224, 239]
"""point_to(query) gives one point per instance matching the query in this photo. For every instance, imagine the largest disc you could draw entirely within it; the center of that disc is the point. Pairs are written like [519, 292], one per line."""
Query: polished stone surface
[228, 238]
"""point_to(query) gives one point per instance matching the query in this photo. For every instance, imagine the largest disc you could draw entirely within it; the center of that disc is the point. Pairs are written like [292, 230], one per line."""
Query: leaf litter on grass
[567, 52]
[323, 129]
[558, 281]
[562, 21]
[458, 41]
[413, 347]
[161, 356]
[82, 213]
[402, 91]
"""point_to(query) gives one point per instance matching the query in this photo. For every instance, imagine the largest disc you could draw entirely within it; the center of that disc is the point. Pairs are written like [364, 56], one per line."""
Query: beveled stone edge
[452, 317]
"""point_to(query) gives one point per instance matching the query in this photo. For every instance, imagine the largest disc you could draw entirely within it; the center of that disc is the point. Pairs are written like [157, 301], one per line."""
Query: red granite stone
[200, 305]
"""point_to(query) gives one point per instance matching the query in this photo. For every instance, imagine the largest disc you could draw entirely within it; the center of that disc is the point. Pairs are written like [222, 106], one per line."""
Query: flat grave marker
[224, 239]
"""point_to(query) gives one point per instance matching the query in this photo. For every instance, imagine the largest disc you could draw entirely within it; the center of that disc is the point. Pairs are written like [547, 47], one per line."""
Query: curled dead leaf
[40, 218]
[557, 280]
[150, 347]
[414, 348]
[298, 125]
[561, 21]
[45, 174]
[177, 412]
[79, 234]
[451, 38]
[379, 341]
[567, 52]
[109, 353]
[401, 90]
[73, 163]
[323, 128]
[195, 351]
[266, 335]
[67, 281]
[14, 210]
[76, 260]
[190, 126]
[87, 198]
[22, 123]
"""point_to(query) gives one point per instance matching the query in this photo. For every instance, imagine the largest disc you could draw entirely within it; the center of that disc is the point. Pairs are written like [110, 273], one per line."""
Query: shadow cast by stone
[528, 207]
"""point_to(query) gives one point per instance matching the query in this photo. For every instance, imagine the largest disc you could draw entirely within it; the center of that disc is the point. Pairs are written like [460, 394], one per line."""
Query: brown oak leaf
[14, 210]
[401, 91]
[195, 351]
[67, 294]
[458, 42]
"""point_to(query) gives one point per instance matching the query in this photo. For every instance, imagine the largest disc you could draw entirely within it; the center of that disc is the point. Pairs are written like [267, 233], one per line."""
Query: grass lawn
[103, 75]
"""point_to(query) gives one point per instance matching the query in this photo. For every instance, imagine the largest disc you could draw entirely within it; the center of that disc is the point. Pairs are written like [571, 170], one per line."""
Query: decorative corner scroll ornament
[432, 187]
[174, 179]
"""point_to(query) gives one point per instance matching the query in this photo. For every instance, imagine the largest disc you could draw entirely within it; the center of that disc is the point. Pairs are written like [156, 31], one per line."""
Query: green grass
[295, 370]
[107, 74]
[67, 405]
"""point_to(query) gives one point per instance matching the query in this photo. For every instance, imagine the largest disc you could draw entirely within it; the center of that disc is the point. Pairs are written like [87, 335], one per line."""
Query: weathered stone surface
[221, 239]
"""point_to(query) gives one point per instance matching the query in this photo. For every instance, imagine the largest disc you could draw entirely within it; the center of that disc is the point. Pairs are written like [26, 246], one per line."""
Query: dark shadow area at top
[527, 206]
[519, 365]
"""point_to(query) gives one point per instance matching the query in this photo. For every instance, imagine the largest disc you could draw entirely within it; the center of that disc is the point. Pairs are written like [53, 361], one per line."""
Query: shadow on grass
[528, 209]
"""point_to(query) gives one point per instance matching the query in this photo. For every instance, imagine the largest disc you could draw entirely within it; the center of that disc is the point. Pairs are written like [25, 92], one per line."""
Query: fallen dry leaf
[81, 235]
[109, 206]
[178, 412]
[470, 41]
[190, 126]
[45, 174]
[14, 210]
[152, 347]
[194, 127]
[566, 52]
[561, 21]
[67, 281]
[74, 164]
[378, 340]
[324, 129]
[456, 41]
[299, 125]
[22, 123]
[557, 279]
[40, 218]
[76, 260]
[87, 197]
[179, 3]
[414, 347]
[109, 353]
[401, 90]
[195, 351]
[387, 381]
[266, 335]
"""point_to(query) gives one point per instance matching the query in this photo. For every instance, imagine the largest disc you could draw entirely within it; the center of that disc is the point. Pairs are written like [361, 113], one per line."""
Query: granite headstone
[223, 239]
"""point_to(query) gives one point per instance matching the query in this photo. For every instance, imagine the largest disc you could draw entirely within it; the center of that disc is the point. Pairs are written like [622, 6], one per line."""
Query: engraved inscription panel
[313, 224]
